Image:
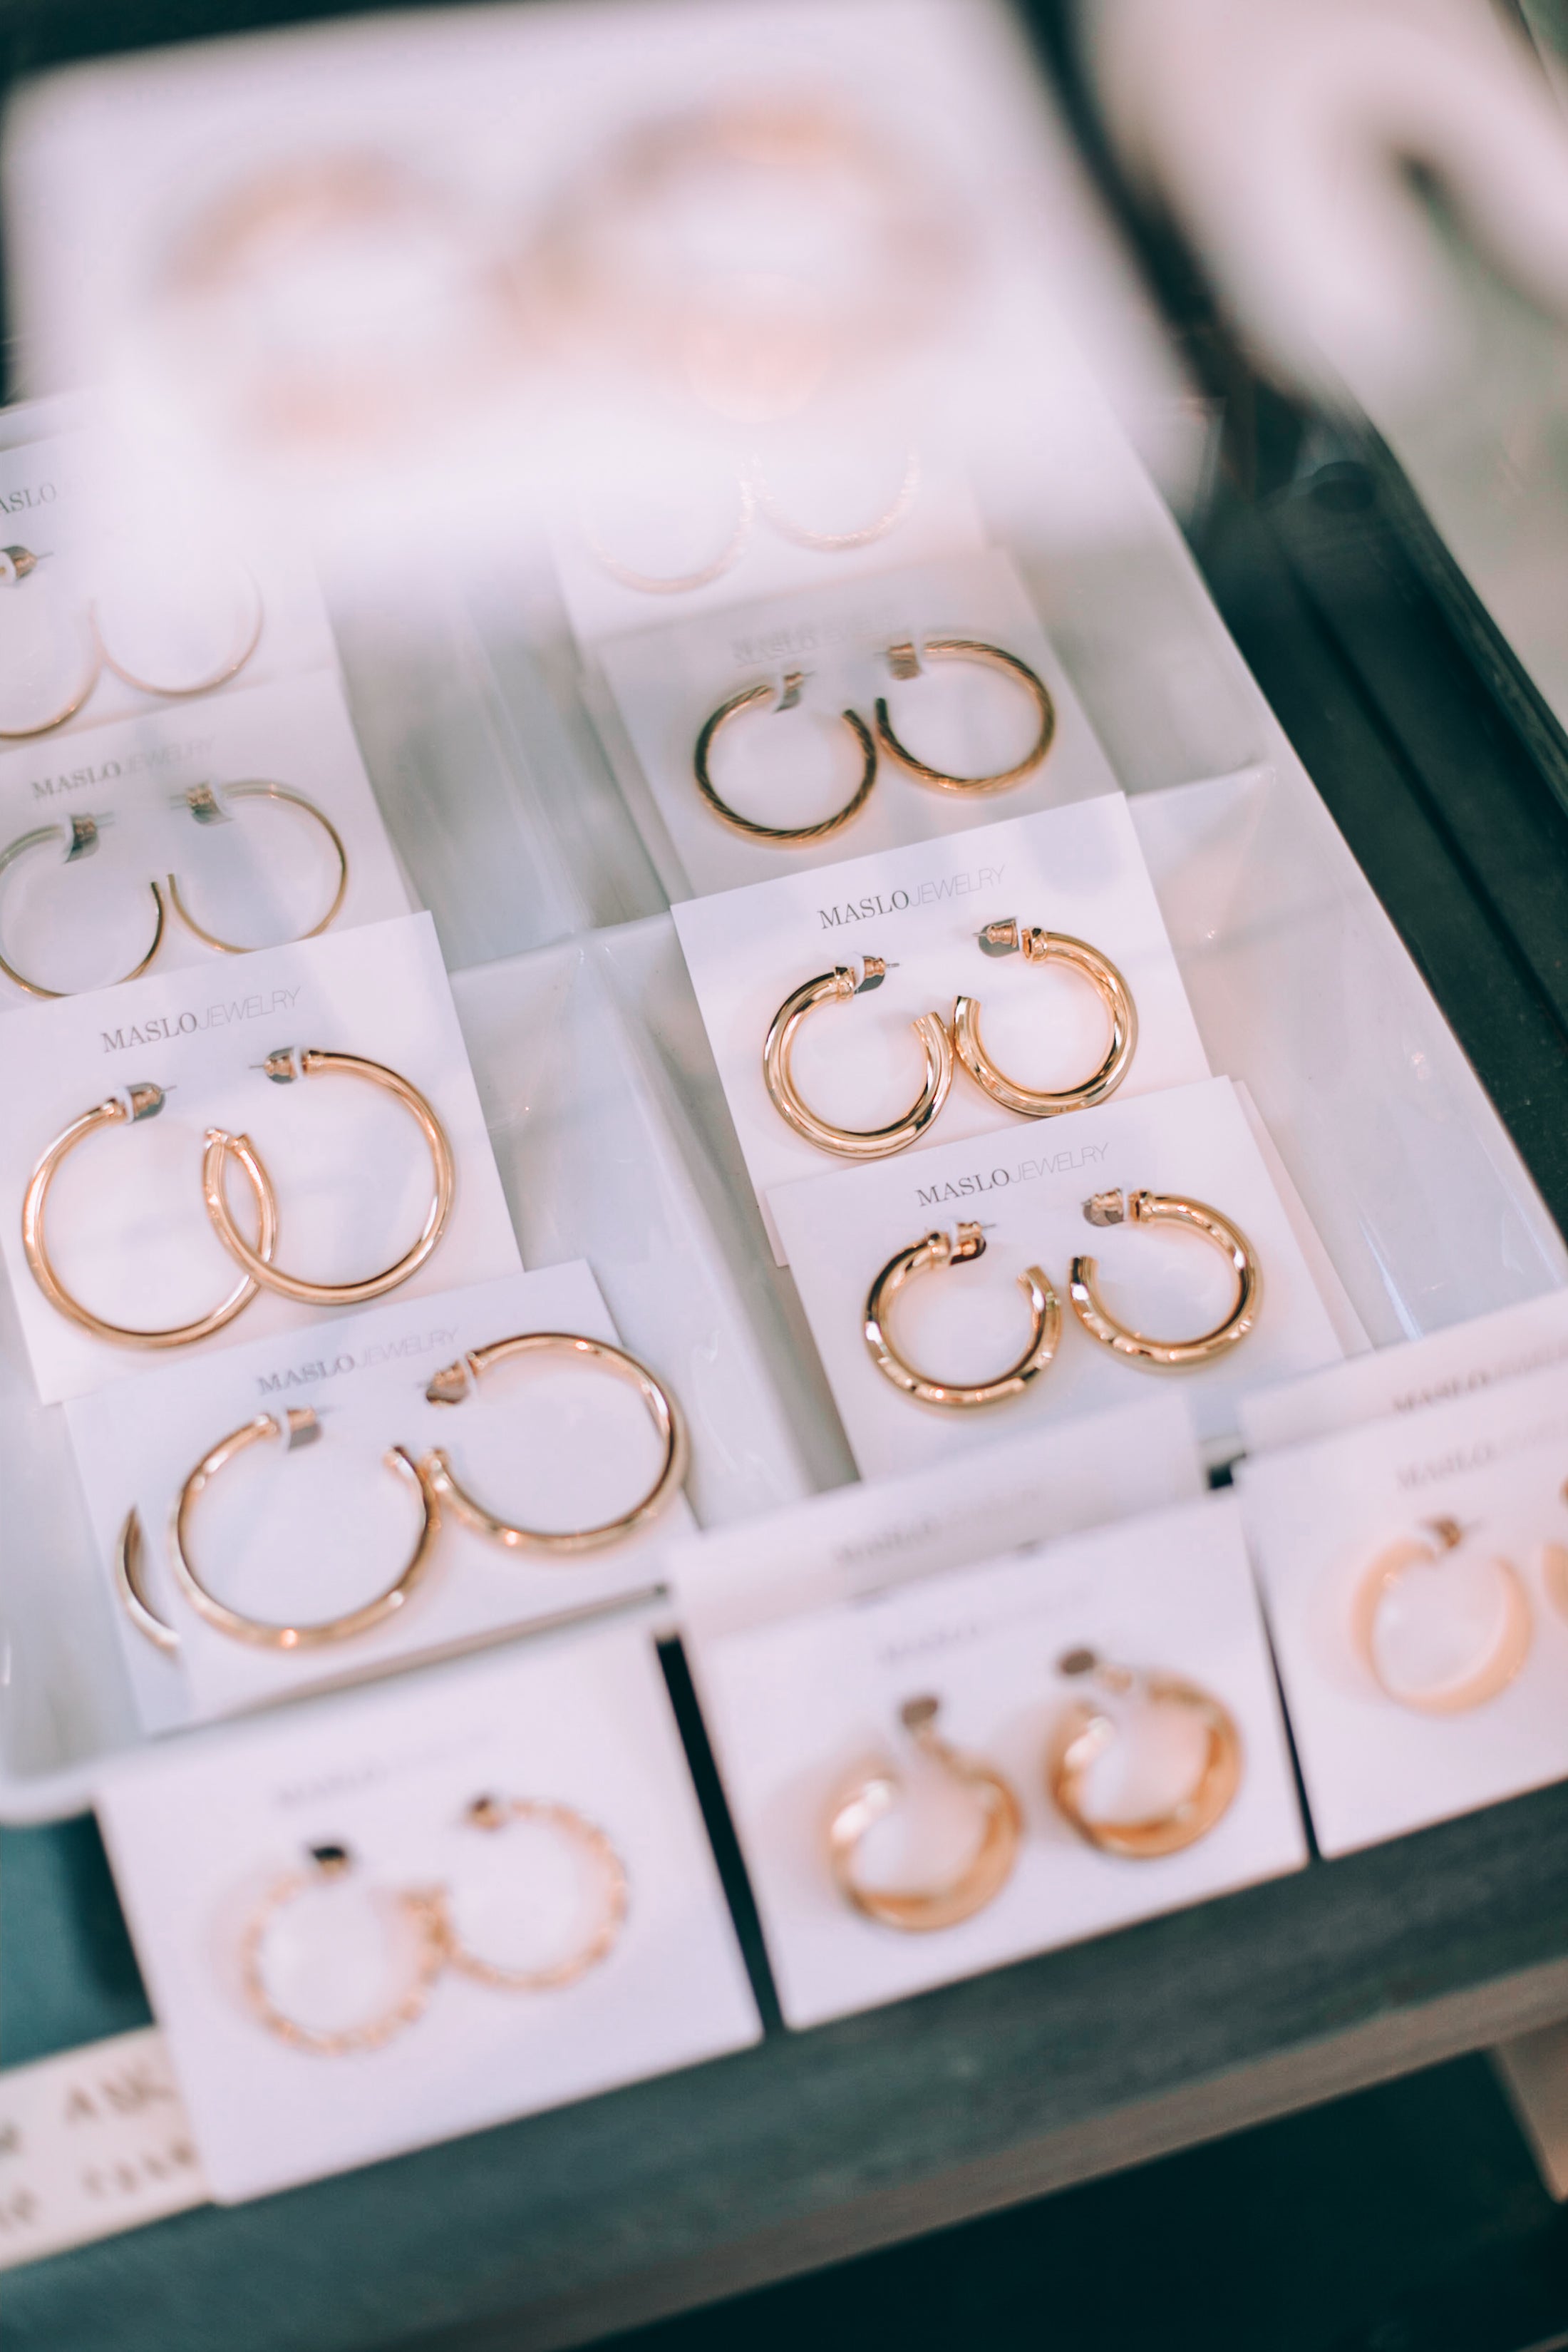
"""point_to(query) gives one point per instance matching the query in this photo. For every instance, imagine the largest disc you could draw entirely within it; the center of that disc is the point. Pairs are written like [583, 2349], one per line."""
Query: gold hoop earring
[1554, 1568]
[680, 583]
[15, 564]
[904, 663]
[283, 1067]
[454, 1381]
[870, 1799]
[1050, 947]
[82, 838]
[205, 807]
[127, 1108]
[418, 1912]
[130, 1585]
[839, 542]
[850, 1142]
[1088, 1729]
[497, 1813]
[298, 1427]
[785, 836]
[1168, 1208]
[250, 635]
[1495, 1671]
[938, 1251]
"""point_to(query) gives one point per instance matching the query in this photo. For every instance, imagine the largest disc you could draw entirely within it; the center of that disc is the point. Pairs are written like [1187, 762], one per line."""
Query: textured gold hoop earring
[870, 1799]
[283, 1067]
[1040, 948]
[250, 636]
[904, 663]
[937, 1251]
[205, 807]
[15, 564]
[853, 1143]
[1088, 1729]
[839, 542]
[421, 1914]
[584, 1837]
[126, 1108]
[130, 1585]
[679, 584]
[454, 1381]
[1492, 1673]
[783, 836]
[1192, 1216]
[82, 839]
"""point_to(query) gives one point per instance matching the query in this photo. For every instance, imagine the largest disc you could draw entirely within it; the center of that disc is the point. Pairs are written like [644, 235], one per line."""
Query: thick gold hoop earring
[136, 1103]
[784, 837]
[936, 1251]
[130, 1585]
[869, 1800]
[497, 1813]
[283, 1067]
[298, 1427]
[16, 563]
[1502, 1662]
[420, 1911]
[839, 542]
[851, 1142]
[454, 1381]
[680, 583]
[82, 839]
[1168, 1208]
[1088, 1729]
[219, 677]
[205, 807]
[1050, 947]
[904, 663]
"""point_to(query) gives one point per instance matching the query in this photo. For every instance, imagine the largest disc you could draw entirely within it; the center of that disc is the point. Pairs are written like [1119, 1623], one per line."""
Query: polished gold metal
[496, 1813]
[680, 583]
[1088, 1728]
[205, 807]
[1192, 1216]
[1041, 947]
[82, 838]
[1424, 1549]
[219, 677]
[840, 542]
[455, 1381]
[904, 663]
[283, 1067]
[919, 1911]
[130, 1585]
[15, 564]
[298, 1427]
[785, 836]
[132, 1103]
[937, 1251]
[424, 1914]
[838, 987]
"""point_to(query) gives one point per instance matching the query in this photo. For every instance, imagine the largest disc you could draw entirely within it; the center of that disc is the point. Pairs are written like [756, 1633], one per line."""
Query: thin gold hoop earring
[283, 1067]
[82, 839]
[937, 1251]
[850, 1142]
[298, 1427]
[1193, 1216]
[680, 583]
[586, 1838]
[1088, 1729]
[870, 1799]
[127, 1108]
[419, 1913]
[455, 1381]
[15, 564]
[784, 837]
[839, 542]
[1040, 948]
[205, 807]
[130, 1585]
[1494, 1671]
[904, 663]
[250, 636]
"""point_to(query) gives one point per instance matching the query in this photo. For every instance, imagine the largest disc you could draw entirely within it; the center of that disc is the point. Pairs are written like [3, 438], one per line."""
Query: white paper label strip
[93, 2141]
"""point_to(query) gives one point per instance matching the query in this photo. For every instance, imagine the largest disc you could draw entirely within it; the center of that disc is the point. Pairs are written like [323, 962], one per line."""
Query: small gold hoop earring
[250, 636]
[421, 1913]
[1495, 1671]
[131, 1584]
[1050, 947]
[454, 1381]
[853, 1143]
[870, 1799]
[680, 583]
[127, 1108]
[1088, 1729]
[904, 663]
[1193, 1216]
[586, 1838]
[937, 1251]
[839, 542]
[283, 1067]
[82, 839]
[785, 836]
[1554, 1569]
[15, 564]
[205, 807]
[298, 1427]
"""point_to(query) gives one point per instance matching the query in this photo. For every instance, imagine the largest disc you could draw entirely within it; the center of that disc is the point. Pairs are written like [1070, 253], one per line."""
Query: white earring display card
[1414, 1572]
[126, 1231]
[333, 1881]
[1026, 1190]
[806, 1711]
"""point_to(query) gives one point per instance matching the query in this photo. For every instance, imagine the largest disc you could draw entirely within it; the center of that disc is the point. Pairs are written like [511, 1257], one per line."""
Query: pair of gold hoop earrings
[426, 1915]
[756, 497]
[1079, 1740]
[221, 1151]
[904, 663]
[431, 1479]
[948, 1044]
[82, 837]
[937, 1251]
[1425, 1548]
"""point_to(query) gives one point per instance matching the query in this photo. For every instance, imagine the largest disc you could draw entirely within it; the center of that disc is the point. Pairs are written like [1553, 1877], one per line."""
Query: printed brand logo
[43, 494]
[330, 1367]
[899, 902]
[924, 1645]
[108, 771]
[1463, 1383]
[866, 627]
[166, 1026]
[997, 1180]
